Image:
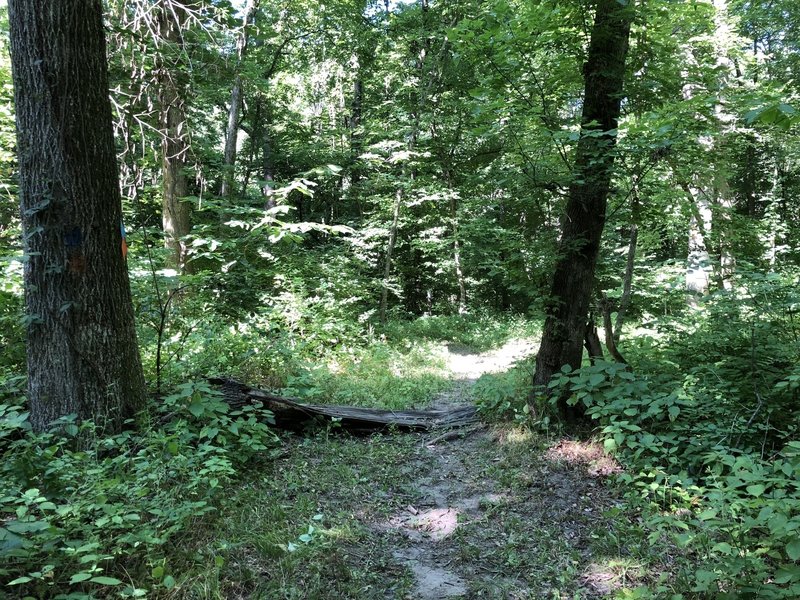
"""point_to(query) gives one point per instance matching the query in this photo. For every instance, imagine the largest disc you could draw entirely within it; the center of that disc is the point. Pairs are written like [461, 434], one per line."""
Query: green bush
[707, 424]
[82, 515]
[504, 396]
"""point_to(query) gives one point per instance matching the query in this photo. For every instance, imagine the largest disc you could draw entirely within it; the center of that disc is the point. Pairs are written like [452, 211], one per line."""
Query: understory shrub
[86, 516]
[707, 423]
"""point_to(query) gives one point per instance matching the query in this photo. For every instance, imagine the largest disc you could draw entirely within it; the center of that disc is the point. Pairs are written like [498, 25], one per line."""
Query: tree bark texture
[82, 351]
[573, 281]
[176, 213]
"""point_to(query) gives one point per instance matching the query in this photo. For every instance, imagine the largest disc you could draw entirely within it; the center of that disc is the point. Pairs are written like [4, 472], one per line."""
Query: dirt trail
[495, 517]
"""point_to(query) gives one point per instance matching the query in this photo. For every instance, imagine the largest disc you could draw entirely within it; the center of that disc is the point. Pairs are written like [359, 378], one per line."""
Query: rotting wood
[293, 414]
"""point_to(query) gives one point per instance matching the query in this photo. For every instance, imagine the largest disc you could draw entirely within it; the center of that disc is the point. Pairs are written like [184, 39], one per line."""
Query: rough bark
[291, 414]
[82, 352]
[176, 213]
[573, 281]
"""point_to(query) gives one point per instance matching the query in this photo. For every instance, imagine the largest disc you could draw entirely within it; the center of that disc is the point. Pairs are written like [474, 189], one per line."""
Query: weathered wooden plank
[290, 413]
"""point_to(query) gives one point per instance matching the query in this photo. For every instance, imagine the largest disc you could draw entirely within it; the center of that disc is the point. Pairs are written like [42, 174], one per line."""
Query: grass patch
[308, 527]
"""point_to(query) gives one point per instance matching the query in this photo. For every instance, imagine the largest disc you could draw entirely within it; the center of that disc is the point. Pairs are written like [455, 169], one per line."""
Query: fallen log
[292, 414]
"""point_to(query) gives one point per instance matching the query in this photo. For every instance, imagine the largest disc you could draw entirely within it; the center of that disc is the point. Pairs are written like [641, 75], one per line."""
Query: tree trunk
[573, 281]
[232, 128]
[82, 352]
[387, 268]
[231, 139]
[176, 213]
[462, 287]
[698, 260]
[630, 263]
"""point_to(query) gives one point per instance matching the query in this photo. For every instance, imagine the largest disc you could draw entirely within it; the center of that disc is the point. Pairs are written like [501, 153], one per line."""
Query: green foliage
[707, 423]
[476, 332]
[505, 396]
[82, 514]
[377, 374]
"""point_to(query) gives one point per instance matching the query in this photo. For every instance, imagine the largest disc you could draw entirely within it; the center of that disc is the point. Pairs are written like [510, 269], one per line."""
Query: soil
[489, 519]
[486, 511]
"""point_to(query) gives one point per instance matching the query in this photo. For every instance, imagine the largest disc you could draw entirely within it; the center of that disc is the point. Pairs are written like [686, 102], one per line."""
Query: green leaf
[197, 409]
[596, 379]
[793, 549]
[19, 580]
[169, 582]
[103, 580]
[756, 489]
[674, 411]
[787, 573]
[723, 547]
[157, 572]
[78, 577]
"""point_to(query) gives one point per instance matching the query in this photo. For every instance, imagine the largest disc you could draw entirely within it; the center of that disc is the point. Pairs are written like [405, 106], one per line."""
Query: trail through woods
[482, 512]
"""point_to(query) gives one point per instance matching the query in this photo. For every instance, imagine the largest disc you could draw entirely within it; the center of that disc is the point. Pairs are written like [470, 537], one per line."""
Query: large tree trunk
[176, 213]
[82, 352]
[565, 326]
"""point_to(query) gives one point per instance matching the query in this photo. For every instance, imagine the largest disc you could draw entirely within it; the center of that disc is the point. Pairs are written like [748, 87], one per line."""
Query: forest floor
[486, 512]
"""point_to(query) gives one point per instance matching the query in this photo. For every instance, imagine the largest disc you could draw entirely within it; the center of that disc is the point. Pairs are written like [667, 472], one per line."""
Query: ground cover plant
[576, 222]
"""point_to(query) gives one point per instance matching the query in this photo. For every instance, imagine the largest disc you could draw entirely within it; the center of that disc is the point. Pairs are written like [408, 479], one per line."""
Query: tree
[232, 128]
[573, 281]
[176, 213]
[82, 350]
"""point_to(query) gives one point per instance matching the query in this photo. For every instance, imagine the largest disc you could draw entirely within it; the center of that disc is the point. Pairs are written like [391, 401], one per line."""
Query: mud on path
[487, 512]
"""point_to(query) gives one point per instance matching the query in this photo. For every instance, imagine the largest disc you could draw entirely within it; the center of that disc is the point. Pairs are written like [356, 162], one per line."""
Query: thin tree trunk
[462, 287]
[573, 281]
[387, 268]
[232, 128]
[231, 139]
[176, 213]
[698, 260]
[627, 282]
[268, 173]
[81, 342]
[608, 329]
[591, 341]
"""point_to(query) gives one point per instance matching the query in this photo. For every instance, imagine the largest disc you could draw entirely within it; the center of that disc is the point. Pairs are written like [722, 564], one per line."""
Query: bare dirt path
[490, 511]
[497, 516]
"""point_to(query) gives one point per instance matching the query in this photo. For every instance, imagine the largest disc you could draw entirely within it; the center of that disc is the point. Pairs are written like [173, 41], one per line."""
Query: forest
[415, 299]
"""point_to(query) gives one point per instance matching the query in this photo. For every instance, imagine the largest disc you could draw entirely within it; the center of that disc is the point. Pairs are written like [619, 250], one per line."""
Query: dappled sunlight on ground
[437, 523]
[464, 364]
[611, 575]
[589, 455]
[519, 435]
